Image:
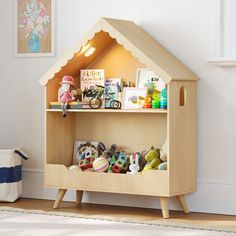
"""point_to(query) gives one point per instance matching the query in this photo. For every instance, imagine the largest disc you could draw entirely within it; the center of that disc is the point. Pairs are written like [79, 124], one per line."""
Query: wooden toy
[136, 128]
[121, 165]
[100, 164]
[153, 161]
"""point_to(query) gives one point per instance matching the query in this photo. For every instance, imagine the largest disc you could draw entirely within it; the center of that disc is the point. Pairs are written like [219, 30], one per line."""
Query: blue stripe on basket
[10, 175]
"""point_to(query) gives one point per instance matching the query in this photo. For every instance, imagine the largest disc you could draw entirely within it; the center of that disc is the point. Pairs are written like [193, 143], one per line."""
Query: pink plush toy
[64, 92]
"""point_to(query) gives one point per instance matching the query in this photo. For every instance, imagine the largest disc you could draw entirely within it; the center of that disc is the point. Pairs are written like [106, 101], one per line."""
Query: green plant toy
[153, 160]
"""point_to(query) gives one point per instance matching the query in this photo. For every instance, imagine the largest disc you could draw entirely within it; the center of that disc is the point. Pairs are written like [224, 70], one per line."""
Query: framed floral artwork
[34, 28]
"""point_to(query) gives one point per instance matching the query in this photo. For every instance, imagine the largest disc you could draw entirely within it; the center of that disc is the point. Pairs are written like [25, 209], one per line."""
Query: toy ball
[100, 164]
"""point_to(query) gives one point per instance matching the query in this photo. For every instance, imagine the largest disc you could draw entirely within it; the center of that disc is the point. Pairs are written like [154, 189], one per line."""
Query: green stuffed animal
[153, 160]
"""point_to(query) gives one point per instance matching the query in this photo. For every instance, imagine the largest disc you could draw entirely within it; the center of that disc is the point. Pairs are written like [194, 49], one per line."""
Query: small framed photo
[145, 76]
[133, 97]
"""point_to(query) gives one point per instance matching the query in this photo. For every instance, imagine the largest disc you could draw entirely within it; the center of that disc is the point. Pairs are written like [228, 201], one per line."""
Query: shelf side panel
[181, 136]
[60, 135]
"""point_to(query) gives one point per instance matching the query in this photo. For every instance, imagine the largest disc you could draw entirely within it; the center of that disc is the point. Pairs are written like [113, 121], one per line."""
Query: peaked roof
[138, 42]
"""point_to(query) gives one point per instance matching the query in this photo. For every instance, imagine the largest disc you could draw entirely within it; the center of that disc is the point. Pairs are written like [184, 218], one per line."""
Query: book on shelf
[71, 105]
[112, 90]
[89, 79]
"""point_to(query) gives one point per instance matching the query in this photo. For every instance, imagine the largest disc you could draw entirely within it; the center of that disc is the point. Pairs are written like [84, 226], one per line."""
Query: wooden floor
[131, 213]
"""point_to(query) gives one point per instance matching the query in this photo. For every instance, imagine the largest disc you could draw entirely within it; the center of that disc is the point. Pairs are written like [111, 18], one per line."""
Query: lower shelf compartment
[153, 183]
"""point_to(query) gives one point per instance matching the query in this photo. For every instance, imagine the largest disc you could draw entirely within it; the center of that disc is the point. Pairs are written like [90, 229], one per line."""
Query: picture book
[113, 87]
[89, 79]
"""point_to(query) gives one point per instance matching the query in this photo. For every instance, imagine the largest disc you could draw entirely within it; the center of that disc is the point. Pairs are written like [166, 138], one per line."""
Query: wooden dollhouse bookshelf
[121, 48]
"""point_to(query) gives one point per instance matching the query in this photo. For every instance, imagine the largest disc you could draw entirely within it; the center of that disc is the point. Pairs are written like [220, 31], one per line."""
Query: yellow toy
[153, 160]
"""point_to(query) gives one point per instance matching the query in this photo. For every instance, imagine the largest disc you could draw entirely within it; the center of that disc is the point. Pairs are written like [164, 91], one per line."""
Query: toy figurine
[121, 165]
[111, 163]
[153, 161]
[64, 93]
[134, 165]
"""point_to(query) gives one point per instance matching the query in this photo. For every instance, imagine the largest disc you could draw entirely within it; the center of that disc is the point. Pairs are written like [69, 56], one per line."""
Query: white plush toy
[163, 157]
[134, 166]
[163, 152]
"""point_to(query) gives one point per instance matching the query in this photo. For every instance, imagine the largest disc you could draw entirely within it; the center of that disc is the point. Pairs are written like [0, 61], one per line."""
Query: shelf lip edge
[161, 111]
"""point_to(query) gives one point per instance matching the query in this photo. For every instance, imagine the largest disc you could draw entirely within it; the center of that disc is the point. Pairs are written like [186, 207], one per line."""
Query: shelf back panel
[131, 132]
[117, 62]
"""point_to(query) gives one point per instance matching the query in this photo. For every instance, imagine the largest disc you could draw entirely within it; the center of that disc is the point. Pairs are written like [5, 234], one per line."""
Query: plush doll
[153, 160]
[134, 165]
[108, 153]
[64, 93]
[163, 152]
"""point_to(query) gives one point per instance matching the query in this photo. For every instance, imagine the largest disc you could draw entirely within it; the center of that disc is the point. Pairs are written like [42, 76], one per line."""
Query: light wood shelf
[152, 111]
[121, 48]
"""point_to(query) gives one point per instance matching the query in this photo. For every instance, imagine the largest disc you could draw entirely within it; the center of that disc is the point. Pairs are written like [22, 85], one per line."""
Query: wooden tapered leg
[182, 203]
[164, 207]
[79, 195]
[61, 193]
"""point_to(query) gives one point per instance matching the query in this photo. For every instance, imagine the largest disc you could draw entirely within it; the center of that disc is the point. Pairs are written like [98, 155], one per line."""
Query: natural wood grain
[182, 202]
[61, 193]
[134, 39]
[181, 130]
[79, 195]
[61, 177]
[121, 48]
[164, 207]
[163, 111]
[130, 213]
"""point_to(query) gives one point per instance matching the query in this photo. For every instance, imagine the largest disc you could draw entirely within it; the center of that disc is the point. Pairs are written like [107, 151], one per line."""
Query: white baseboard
[210, 197]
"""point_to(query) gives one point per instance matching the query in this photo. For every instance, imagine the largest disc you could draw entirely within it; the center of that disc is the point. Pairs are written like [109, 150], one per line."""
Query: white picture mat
[145, 75]
[131, 93]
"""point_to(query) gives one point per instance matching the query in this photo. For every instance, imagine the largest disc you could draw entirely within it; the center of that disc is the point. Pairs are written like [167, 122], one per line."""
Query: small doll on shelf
[65, 92]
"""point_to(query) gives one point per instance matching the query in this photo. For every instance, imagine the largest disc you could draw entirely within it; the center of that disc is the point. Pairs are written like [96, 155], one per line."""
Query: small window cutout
[182, 96]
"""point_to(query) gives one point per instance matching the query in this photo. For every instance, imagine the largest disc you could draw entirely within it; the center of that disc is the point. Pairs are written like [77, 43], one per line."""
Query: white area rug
[39, 223]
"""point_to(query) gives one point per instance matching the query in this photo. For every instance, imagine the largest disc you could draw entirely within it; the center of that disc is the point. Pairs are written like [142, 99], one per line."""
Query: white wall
[186, 28]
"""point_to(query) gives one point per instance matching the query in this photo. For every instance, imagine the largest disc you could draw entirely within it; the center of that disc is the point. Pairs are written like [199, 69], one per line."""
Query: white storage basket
[10, 173]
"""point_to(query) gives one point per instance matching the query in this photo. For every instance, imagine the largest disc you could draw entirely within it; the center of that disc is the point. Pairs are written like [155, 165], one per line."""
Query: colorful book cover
[112, 90]
[89, 78]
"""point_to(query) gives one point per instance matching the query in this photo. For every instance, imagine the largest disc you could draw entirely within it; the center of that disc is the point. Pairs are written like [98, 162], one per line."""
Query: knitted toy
[153, 161]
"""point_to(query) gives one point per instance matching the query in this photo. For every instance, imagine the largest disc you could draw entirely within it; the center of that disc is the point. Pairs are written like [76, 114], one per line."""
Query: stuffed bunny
[134, 166]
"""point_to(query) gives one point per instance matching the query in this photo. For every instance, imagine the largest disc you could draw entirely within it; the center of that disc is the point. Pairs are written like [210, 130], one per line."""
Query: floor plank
[131, 213]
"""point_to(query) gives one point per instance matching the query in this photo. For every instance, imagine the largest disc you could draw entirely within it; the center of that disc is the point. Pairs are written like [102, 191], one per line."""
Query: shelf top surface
[143, 110]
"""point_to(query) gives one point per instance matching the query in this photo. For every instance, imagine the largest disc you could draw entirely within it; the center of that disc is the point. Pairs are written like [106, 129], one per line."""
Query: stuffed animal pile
[101, 159]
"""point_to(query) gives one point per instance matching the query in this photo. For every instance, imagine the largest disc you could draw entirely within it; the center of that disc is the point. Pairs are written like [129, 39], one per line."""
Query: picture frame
[133, 98]
[144, 76]
[34, 27]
